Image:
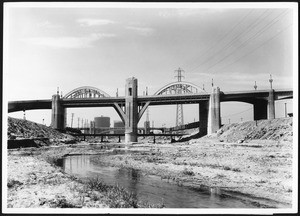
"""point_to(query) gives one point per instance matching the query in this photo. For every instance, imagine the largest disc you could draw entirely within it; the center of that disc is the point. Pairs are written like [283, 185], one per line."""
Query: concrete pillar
[260, 110]
[203, 117]
[214, 115]
[131, 110]
[271, 105]
[58, 113]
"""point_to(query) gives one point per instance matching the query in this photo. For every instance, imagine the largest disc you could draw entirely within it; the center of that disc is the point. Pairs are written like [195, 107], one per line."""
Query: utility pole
[229, 120]
[24, 115]
[72, 120]
[78, 122]
[255, 86]
[285, 111]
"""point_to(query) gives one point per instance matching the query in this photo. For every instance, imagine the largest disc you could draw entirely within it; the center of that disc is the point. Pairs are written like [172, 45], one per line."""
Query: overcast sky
[68, 47]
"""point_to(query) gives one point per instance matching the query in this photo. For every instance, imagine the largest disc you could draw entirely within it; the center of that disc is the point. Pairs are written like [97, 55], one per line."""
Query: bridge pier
[214, 115]
[58, 113]
[131, 110]
[271, 105]
[203, 117]
[260, 110]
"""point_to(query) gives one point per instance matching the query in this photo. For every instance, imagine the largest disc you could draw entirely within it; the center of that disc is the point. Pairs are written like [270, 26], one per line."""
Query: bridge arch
[86, 92]
[171, 89]
[186, 87]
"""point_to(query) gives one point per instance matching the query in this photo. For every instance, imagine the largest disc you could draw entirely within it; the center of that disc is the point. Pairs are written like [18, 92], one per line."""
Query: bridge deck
[243, 96]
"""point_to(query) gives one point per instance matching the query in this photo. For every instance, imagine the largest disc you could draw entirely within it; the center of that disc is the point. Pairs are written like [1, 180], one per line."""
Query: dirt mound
[276, 129]
[19, 129]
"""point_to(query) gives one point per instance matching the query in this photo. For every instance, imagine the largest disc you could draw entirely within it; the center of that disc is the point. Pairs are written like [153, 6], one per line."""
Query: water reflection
[150, 188]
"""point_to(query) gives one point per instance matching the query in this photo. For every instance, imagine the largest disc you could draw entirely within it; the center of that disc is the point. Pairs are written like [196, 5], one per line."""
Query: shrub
[118, 197]
[187, 171]
[61, 202]
[54, 160]
[11, 183]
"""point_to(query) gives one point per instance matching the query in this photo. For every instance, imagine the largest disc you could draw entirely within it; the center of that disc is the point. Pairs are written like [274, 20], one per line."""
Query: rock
[240, 141]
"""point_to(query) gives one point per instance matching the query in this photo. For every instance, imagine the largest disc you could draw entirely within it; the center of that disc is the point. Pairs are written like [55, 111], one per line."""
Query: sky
[65, 46]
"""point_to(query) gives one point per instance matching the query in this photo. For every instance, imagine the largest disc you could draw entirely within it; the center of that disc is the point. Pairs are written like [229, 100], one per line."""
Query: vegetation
[117, 196]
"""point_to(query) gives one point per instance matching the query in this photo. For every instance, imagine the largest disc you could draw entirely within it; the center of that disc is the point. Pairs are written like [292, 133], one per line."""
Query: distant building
[147, 127]
[101, 124]
[119, 127]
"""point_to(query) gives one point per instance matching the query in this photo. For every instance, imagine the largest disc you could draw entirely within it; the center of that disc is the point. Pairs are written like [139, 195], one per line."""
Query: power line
[249, 28]
[221, 38]
[266, 27]
[256, 48]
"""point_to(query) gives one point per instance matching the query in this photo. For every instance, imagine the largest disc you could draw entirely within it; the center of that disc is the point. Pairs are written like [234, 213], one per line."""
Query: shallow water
[148, 187]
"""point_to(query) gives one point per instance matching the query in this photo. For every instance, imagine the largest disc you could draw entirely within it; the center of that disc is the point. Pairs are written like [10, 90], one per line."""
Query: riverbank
[36, 180]
[258, 172]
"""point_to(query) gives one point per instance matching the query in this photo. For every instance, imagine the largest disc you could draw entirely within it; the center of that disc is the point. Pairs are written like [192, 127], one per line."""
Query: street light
[271, 80]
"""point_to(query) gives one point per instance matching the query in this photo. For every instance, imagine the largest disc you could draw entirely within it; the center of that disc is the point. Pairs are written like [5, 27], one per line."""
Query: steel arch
[86, 92]
[186, 88]
[171, 88]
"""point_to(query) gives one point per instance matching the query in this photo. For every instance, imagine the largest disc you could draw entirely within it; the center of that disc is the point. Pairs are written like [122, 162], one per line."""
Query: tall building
[102, 124]
[119, 127]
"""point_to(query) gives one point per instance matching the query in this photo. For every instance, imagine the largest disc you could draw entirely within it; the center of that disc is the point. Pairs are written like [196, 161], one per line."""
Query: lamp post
[271, 80]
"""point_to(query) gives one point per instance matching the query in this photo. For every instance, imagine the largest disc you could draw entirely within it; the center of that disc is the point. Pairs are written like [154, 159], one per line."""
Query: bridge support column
[58, 113]
[203, 117]
[271, 105]
[131, 110]
[260, 110]
[214, 115]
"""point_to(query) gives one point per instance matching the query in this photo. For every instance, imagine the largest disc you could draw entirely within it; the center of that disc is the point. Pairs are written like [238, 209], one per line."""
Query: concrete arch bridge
[131, 107]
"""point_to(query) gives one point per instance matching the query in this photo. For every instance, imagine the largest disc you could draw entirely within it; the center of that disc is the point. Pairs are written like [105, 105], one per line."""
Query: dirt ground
[251, 161]
[34, 183]
[259, 172]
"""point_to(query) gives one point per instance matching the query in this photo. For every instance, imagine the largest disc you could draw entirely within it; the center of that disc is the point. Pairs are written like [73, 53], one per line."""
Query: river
[149, 187]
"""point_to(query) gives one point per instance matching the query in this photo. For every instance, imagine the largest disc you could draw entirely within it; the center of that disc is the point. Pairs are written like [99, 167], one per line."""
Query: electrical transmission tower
[179, 111]
[147, 122]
